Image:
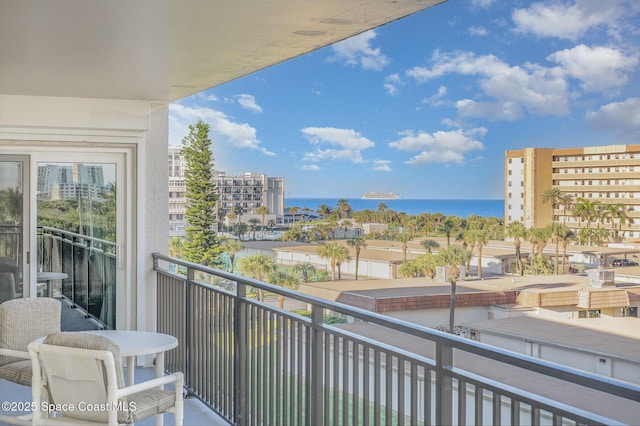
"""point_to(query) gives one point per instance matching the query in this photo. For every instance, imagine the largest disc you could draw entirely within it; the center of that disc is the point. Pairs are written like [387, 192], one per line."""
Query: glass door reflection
[77, 234]
[11, 228]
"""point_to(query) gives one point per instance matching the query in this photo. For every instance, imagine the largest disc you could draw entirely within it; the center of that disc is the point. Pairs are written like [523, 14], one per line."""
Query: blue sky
[427, 106]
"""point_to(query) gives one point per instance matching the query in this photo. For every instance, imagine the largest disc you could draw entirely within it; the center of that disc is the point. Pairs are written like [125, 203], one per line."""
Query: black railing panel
[256, 364]
[90, 264]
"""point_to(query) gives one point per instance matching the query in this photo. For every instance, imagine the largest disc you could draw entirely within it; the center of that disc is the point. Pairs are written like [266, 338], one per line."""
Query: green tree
[482, 238]
[615, 212]
[324, 210]
[335, 253]
[453, 256]
[429, 245]
[232, 247]
[283, 279]
[588, 210]
[262, 211]
[253, 224]
[202, 244]
[518, 232]
[358, 243]
[404, 238]
[553, 197]
[257, 266]
[175, 247]
[344, 208]
[304, 270]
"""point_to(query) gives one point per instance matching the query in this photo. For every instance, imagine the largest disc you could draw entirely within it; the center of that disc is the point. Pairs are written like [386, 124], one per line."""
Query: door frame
[124, 156]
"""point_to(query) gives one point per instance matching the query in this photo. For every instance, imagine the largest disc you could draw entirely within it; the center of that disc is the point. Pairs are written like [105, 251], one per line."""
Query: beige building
[249, 191]
[606, 174]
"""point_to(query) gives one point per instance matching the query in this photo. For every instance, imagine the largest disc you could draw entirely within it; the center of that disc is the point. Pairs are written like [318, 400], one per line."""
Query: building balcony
[597, 163]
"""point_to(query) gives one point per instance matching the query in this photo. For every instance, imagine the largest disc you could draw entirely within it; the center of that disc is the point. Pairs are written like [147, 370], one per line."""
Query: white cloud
[239, 135]
[349, 143]
[622, 117]
[358, 50]
[436, 100]
[598, 68]
[533, 88]
[441, 146]
[248, 102]
[569, 20]
[310, 167]
[477, 31]
[391, 83]
[381, 165]
[482, 4]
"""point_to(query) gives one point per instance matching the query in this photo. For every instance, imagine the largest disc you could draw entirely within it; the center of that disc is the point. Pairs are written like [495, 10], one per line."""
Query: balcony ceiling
[161, 50]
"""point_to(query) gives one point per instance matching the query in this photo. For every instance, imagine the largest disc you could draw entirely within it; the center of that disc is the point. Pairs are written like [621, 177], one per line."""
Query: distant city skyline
[427, 106]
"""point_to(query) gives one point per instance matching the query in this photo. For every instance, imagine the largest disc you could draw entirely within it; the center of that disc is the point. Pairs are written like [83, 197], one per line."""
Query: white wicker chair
[21, 322]
[81, 370]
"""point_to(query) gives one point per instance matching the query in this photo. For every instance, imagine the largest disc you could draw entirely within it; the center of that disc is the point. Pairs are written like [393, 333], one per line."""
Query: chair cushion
[151, 402]
[17, 372]
[24, 320]
[100, 343]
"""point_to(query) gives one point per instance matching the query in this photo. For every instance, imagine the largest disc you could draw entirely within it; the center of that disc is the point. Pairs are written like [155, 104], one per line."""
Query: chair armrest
[14, 353]
[178, 378]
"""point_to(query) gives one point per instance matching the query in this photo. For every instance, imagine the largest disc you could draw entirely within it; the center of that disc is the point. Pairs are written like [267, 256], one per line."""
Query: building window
[522, 183]
[509, 160]
[510, 173]
[589, 313]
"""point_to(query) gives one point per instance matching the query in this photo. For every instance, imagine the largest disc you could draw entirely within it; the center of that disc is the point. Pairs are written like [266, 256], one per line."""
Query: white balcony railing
[254, 363]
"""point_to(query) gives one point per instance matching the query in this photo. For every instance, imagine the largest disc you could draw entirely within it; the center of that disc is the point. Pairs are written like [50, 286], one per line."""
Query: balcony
[254, 363]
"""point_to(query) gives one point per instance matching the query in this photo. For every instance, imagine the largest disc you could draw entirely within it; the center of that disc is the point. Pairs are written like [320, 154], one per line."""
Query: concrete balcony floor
[195, 412]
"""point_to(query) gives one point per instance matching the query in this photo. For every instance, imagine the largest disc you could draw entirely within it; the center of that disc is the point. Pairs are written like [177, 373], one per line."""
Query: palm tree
[262, 211]
[482, 238]
[344, 208]
[447, 226]
[469, 241]
[285, 280]
[517, 231]
[304, 269]
[358, 243]
[382, 208]
[293, 211]
[257, 266]
[538, 238]
[558, 233]
[615, 211]
[253, 222]
[342, 255]
[330, 251]
[404, 238]
[429, 245]
[567, 204]
[586, 209]
[231, 246]
[324, 210]
[452, 256]
[554, 197]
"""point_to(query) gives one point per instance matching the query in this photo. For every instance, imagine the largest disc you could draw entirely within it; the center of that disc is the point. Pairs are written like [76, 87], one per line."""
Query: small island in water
[380, 196]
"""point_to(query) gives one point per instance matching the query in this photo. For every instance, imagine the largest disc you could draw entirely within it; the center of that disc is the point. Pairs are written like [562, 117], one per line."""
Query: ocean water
[461, 208]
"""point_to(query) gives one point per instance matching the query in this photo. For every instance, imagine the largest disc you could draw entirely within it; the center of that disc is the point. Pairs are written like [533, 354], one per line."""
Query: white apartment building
[246, 191]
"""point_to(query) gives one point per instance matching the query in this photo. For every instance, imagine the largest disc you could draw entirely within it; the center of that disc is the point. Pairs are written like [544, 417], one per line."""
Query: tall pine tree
[202, 244]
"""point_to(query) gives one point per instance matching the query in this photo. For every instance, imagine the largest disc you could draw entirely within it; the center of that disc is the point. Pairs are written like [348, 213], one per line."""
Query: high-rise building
[607, 175]
[242, 193]
[70, 181]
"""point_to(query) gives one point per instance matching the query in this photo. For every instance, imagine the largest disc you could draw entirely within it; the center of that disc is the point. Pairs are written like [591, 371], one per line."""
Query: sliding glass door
[13, 226]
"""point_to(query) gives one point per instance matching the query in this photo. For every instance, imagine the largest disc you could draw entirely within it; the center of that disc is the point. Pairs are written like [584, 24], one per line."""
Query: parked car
[623, 262]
